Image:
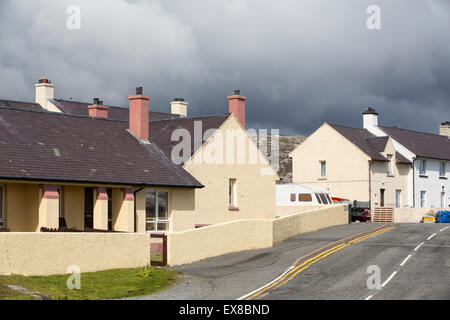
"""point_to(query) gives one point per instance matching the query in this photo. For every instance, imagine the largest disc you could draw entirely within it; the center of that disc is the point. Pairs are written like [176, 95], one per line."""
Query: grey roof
[49, 146]
[425, 145]
[114, 113]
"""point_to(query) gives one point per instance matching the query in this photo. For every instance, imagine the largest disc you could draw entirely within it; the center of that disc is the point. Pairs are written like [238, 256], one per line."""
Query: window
[422, 167]
[232, 195]
[442, 168]
[323, 198]
[109, 193]
[323, 169]
[318, 198]
[292, 197]
[157, 210]
[389, 164]
[2, 209]
[304, 197]
[329, 198]
[423, 200]
[442, 199]
[398, 194]
[61, 201]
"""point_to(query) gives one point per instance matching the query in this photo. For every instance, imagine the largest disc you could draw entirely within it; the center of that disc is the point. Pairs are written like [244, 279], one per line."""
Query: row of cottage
[67, 164]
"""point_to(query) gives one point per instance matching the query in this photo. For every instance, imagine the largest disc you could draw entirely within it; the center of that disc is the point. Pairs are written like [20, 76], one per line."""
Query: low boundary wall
[409, 215]
[52, 253]
[240, 235]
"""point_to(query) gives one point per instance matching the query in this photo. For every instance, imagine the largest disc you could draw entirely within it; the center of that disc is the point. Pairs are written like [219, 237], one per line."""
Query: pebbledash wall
[408, 215]
[53, 253]
[194, 245]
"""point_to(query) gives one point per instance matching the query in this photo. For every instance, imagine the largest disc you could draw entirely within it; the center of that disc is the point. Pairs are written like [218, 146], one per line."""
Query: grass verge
[109, 284]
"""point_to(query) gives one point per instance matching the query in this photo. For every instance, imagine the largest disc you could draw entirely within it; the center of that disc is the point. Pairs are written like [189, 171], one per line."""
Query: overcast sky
[300, 63]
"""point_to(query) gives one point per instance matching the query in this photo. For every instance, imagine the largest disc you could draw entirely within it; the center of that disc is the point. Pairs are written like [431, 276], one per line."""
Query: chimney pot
[139, 90]
[237, 92]
[96, 101]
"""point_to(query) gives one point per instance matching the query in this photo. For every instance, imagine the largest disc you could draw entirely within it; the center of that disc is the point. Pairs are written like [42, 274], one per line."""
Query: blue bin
[443, 217]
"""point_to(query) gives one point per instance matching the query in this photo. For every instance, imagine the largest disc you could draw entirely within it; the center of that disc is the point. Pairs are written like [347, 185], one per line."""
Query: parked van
[291, 194]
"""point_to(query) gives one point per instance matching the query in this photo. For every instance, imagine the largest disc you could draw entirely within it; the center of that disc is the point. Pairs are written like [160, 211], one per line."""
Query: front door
[89, 208]
[381, 197]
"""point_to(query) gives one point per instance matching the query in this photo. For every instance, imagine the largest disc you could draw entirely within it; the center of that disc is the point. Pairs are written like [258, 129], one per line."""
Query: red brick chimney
[98, 110]
[139, 114]
[237, 106]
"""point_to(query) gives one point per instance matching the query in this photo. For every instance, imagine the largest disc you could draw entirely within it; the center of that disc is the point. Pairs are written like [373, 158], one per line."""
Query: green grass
[110, 284]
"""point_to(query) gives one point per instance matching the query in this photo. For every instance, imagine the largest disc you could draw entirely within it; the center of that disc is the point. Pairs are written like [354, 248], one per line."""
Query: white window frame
[157, 220]
[232, 194]
[2, 208]
[398, 198]
[422, 167]
[442, 169]
[323, 173]
[389, 164]
[423, 199]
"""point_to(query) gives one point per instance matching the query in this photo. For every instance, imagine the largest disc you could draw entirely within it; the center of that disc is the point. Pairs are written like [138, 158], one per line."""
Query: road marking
[294, 271]
[389, 279]
[444, 228]
[248, 294]
[429, 238]
[417, 248]
[404, 261]
[369, 297]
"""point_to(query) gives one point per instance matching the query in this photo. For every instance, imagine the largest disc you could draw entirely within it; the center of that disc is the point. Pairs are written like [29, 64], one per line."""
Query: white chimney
[370, 120]
[45, 90]
[444, 129]
[179, 106]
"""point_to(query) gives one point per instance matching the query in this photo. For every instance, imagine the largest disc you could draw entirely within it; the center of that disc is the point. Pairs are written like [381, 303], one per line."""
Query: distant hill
[286, 145]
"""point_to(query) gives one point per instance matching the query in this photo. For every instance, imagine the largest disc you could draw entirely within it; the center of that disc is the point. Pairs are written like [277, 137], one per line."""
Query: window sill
[423, 176]
[322, 178]
[390, 175]
[443, 178]
[233, 208]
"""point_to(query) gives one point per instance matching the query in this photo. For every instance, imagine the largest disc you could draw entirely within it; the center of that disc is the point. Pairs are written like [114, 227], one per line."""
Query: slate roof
[47, 146]
[364, 140]
[21, 104]
[114, 113]
[426, 145]
[160, 131]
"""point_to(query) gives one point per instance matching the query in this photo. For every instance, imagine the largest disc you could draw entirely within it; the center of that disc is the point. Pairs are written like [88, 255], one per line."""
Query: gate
[383, 214]
[158, 249]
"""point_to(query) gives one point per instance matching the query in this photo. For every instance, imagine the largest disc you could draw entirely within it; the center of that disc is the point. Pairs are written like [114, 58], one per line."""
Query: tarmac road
[408, 268]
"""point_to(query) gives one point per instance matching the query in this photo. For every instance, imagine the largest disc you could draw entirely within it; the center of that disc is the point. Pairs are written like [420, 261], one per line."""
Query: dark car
[362, 215]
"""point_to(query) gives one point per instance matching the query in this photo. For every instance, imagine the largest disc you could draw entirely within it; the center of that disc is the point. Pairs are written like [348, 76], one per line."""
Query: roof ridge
[19, 101]
[192, 118]
[415, 131]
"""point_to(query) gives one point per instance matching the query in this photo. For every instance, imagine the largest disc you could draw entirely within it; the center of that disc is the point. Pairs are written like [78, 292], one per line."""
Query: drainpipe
[134, 194]
[414, 182]
[370, 188]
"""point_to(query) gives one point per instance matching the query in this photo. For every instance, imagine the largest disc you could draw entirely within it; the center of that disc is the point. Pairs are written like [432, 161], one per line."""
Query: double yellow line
[306, 264]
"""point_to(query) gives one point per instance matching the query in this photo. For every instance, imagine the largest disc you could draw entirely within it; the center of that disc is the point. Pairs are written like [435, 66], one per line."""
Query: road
[413, 261]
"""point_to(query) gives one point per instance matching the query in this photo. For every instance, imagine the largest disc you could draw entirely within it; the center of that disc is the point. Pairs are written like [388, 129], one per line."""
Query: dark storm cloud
[300, 63]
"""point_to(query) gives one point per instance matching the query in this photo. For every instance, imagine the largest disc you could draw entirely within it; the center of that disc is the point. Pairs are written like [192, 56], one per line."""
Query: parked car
[291, 194]
[361, 215]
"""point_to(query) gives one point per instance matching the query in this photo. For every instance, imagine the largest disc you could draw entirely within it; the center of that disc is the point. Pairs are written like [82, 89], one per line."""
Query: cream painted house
[87, 172]
[216, 150]
[352, 164]
[387, 166]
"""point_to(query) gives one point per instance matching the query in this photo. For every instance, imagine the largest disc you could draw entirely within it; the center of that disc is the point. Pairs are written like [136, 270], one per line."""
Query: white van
[291, 194]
